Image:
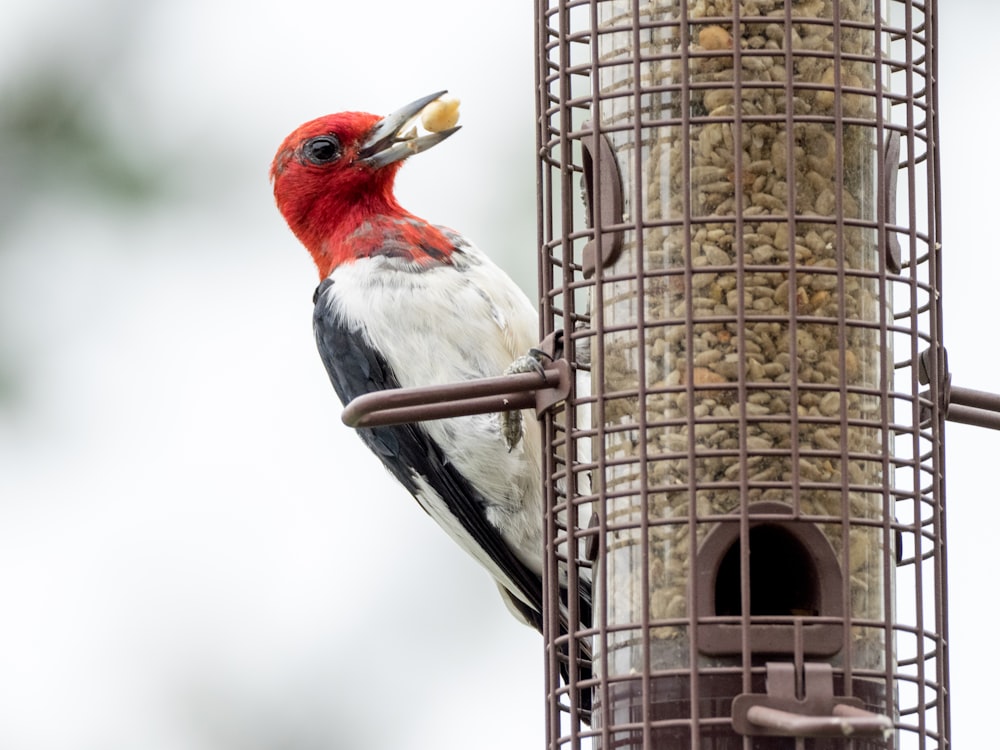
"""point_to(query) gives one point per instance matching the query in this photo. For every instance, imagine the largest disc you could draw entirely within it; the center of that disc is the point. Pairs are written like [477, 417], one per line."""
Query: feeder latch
[817, 713]
[538, 390]
[890, 174]
[602, 188]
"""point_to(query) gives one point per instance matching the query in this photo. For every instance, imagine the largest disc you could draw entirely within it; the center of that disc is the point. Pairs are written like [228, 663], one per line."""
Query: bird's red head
[334, 173]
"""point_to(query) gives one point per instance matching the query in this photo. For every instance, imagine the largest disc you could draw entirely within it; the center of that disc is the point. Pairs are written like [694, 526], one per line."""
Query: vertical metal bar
[845, 435]
[638, 217]
[544, 228]
[693, 611]
[746, 604]
[913, 289]
[937, 336]
[885, 360]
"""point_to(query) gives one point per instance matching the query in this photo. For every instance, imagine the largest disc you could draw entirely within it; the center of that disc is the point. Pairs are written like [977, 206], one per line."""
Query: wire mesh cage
[739, 248]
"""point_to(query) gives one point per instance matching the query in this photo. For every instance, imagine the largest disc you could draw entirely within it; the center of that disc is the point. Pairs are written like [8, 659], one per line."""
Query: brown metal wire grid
[749, 471]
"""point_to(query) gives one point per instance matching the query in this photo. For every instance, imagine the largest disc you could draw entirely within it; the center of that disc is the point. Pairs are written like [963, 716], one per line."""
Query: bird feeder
[739, 227]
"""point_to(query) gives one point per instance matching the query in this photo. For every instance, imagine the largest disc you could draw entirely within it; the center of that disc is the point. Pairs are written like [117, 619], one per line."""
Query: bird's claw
[530, 362]
[511, 428]
[511, 422]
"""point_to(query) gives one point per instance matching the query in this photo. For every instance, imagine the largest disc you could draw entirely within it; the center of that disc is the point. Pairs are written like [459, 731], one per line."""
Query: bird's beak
[384, 144]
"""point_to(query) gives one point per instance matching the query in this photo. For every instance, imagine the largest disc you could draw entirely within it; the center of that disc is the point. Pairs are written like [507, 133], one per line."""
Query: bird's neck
[379, 229]
[324, 225]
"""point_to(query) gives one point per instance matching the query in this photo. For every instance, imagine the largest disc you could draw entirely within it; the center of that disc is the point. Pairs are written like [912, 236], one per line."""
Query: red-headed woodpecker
[406, 303]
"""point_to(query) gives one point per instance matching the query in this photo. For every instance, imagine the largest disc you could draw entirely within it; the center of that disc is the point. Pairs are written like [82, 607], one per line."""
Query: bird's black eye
[322, 149]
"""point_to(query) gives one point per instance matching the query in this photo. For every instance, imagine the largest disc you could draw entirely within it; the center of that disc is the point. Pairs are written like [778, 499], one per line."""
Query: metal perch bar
[483, 396]
[978, 408]
[846, 721]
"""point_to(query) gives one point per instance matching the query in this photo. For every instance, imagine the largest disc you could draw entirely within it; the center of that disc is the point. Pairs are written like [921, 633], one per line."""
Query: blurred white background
[194, 552]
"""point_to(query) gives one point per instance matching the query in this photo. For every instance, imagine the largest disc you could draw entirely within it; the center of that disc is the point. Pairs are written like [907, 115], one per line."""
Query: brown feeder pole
[739, 233]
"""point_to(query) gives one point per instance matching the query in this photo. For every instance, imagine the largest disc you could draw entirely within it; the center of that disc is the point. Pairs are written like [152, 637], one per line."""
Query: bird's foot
[511, 422]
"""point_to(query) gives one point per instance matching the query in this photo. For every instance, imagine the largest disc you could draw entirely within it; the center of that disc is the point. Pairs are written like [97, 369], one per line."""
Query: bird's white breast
[450, 323]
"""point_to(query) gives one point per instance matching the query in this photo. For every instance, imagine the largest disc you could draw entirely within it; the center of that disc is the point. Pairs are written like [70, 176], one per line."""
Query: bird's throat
[398, 235]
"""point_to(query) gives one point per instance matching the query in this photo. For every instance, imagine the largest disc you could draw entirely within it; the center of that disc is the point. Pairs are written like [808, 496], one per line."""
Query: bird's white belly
[439, 325]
